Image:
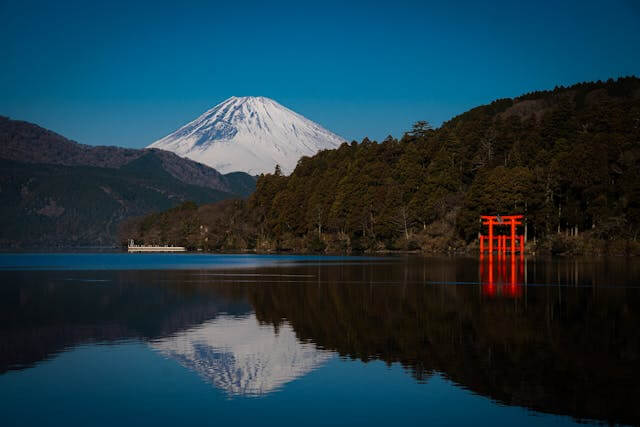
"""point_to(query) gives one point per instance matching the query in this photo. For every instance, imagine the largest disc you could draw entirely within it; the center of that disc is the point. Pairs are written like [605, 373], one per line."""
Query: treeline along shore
[568, 159]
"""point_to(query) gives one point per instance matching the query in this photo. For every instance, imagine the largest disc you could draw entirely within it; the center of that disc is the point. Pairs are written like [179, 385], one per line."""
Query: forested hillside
[569, 159]
[57, 193]
[28, 143]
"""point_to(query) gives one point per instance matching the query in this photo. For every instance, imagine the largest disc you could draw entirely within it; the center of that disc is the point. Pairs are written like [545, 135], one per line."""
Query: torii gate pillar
[490, 235]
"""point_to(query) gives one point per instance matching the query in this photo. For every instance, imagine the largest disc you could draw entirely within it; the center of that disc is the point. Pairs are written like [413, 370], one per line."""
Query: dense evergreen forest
[569, 159]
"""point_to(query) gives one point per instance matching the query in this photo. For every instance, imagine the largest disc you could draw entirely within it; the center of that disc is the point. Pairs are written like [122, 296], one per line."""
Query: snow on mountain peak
[250, 134]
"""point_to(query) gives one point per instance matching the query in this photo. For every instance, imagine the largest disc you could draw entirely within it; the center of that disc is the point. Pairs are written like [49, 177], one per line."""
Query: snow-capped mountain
[249, 134]
[241, 356]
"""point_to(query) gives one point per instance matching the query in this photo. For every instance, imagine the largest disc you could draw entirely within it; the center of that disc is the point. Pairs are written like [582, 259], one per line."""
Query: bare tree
[403, 221]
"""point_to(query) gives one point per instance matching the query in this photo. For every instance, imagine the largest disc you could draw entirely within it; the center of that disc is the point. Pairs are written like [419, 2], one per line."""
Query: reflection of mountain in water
[241, 356]
[568, 345]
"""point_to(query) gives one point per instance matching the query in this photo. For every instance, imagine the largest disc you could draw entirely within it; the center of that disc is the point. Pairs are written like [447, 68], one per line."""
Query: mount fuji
[249, 134]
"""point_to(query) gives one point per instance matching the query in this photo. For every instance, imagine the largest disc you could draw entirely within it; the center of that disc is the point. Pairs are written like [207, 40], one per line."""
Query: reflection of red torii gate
[508, 220]
[500, 278]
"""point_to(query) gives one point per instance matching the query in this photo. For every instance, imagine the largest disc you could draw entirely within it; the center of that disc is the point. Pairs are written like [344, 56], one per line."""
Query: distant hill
[55, 192]
[568, 158]
[29, 143]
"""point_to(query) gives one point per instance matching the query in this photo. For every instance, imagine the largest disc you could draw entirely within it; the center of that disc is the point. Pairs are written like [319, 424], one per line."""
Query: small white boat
[132, 247]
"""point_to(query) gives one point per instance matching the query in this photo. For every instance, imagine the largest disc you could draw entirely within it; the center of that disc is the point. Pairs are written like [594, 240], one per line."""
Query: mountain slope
[61, 206]
[250, 134]
[26, 142]
[55, 192]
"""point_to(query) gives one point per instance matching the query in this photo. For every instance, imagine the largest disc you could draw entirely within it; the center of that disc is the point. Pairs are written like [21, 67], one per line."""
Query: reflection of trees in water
[569, 350]
[42, 313]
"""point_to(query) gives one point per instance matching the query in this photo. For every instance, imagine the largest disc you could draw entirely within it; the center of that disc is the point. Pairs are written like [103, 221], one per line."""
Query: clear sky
[128, 73]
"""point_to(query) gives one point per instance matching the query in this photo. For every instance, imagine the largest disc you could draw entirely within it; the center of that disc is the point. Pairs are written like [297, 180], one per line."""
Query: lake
[184, 339]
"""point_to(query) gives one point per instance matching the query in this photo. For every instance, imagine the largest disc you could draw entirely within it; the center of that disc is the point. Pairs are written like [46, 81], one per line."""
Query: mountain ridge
[55, 192]
[29, 143]
[250, 134]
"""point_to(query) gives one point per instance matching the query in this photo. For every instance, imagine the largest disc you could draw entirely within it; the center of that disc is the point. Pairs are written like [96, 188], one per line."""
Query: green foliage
[567, 159]
[421, 128]
[316, 244]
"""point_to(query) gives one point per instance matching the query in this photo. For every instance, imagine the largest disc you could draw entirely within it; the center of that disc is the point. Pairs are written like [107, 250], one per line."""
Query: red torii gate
[496, 220]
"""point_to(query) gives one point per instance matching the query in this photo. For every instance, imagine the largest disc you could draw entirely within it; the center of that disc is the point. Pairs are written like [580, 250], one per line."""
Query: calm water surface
[142, 339]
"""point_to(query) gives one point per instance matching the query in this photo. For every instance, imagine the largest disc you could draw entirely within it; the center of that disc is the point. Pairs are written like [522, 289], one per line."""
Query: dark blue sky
[122, 74]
